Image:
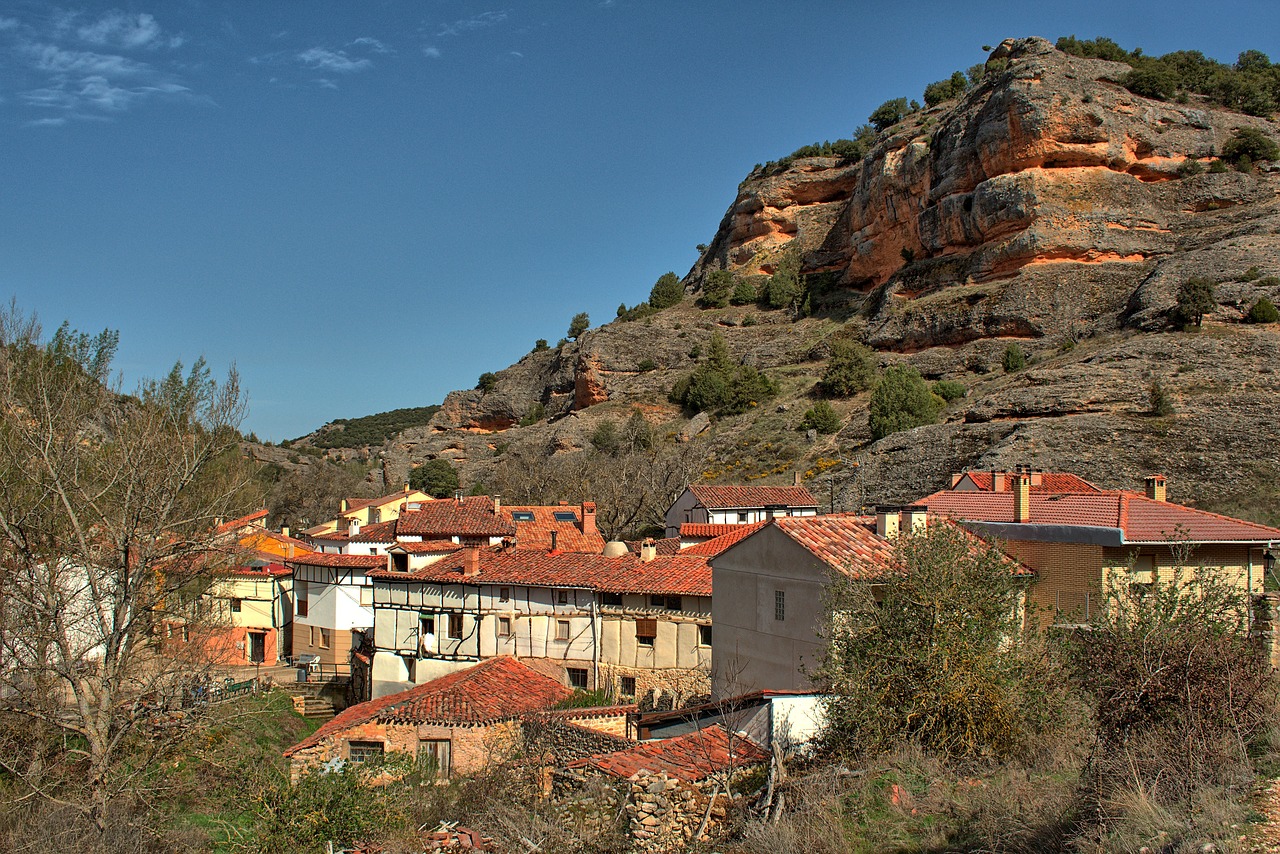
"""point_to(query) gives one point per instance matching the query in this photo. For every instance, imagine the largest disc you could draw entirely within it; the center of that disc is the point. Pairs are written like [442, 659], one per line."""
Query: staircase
[307, 700]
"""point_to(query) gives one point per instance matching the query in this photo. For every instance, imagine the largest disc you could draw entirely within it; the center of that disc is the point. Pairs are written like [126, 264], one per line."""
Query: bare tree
[107, 539]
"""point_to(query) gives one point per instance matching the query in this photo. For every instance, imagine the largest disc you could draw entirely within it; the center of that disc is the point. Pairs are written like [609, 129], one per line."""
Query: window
[614, 599]
[364, 751]
[627, 688]
[186, 633]
[565, 516]
[235, 606]
[426, 626]
[671, 603]
[562, 597]
[522, 515]
[504, 627]
[324, 638]
[704, 636]
[375, 516]
[578, 677]
[300, 594]
[504, 594]
[399, 562]
[742, 517]
[779, 605]
[366, 596]
[562, 630]
[311, 635]
[455, 626]
[646, 631]
[435, 754]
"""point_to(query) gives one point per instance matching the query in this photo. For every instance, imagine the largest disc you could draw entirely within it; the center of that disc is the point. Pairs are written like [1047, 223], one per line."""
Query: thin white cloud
[325, 83]
[431, 52]
[323, 59]
[475, 22]
[55, 60]
[47, 123]
[9, 24]
[370, 43]
[515, 54]
[129, 32]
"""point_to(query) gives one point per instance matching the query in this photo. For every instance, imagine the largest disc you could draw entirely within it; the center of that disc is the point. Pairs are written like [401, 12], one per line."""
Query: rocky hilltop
[1048, 205]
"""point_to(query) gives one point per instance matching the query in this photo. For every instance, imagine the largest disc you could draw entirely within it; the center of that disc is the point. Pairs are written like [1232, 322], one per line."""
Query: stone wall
[665, 813]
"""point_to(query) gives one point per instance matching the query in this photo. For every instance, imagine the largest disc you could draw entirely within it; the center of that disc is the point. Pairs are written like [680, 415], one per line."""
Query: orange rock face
[588, 385]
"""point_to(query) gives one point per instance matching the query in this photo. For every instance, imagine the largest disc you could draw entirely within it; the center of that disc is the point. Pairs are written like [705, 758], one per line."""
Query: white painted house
[703, 505]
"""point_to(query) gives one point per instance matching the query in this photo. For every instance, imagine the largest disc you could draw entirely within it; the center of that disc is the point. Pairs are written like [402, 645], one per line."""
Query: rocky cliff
[1045, 206]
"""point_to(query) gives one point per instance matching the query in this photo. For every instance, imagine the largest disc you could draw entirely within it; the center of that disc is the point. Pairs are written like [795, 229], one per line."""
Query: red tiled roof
[844, 541]
[753, 496]
[673, 574]
[494, 690]
[690, 757]
[662, 546]
[354, 504]
[703, 529]
[427, 547]
[243, 522]
[590, 712]
[1142, 519]
[1048, 481]
[271, 570]
[537, 534]
[471, 516]
[713, 547]
[357, 561]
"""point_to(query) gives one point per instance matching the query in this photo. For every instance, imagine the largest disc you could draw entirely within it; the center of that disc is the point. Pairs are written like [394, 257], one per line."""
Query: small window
[779, 605]
[670, 603]
[235, 606]
[455, 626]
[504, 594]
[522, 515]
[562, 597]
[366, 596]
[742, 517]
[375, 516]
[302, 607]
[627, 688]
[577, 677]
[399, 562]
[504, 627]
[311, 635]
[646, 631]
[613, 599]
[562, 630]
[435, 755]
[704, 636]
[565, 516]
[426, 626]
[364, 751]
[324, 638]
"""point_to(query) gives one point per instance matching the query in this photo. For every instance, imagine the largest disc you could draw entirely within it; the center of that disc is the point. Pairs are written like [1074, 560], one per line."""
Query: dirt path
[1265, 836]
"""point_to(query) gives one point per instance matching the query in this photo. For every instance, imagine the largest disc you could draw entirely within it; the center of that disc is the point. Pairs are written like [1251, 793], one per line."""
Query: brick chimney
[284, 531]
[997, 481]
[497, 505]
[588, 517]
[555, 535]
[888, 520]
[648, 550]
[1156, 487]
[1022, 495]
[470, 562]
[406, 487]
[915, 518]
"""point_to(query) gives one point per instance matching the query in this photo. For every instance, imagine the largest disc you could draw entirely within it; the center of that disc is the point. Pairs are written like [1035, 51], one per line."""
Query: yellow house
[370, 511]
[253, 609]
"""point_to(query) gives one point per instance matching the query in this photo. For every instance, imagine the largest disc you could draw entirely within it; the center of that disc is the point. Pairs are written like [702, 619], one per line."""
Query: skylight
[522, 515]
[566, 516]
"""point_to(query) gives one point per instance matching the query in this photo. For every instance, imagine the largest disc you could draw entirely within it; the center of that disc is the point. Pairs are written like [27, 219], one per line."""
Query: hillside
[1047, 205]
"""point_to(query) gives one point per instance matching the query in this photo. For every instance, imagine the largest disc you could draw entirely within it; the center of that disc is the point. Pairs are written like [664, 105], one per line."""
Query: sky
[362, 206]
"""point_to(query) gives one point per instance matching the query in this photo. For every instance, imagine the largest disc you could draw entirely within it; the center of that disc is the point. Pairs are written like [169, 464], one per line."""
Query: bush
[888, 114]
[437, 478]
[1263, 311]
[606, 438]
[488, 381]
[1160, 400]
[821, 417]
[1217, 167]
[1151, 81]
[935, 655]
[540, 345]
[901, 401]
[667, 291]
[783, 288]
[744, 293]
[949, 390]
[850, 370]
[536, 413]
[719, 385]
[647, 365]
[1190, 166]
[716, 288]
[1013, 360]
[1196, 297]
[581, 323]
[1251, 143]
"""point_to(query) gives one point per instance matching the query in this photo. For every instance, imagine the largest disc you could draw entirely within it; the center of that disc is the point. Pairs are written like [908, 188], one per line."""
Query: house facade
[253, 615]
[333, 604]
[370, 511]
[701, 505]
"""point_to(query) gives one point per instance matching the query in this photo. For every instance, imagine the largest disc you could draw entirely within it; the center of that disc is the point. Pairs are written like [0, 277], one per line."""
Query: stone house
[462, 722]
[734, 505]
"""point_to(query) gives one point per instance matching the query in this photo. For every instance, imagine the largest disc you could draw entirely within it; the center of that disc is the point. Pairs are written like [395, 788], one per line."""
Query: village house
[616, 621]
[1077, 537]
[461, 722]
[333, 605]
[734, 505]
[252, 615]
[370, 511]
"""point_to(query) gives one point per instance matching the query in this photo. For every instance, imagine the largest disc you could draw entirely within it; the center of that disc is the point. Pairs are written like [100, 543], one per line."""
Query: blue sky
[366, 205]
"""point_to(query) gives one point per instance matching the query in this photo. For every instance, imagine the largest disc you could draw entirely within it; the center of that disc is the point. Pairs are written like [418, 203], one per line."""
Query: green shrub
[901, 401]
[1161, 403]
[488, 381]
[437, 478]
[822, 417]
[1217, 167]
[536, 413]
[949, 390]
[716, 288]
[581, 323]
[638, 312]
[850, 370]
[1190, 166]
[540, 345]
[944, 90]
[1251, 143]
[1013, 359]
[1263, 311]
[1250, 275]
[720, 385]
[606, 438]
[667, 291]
[1153, 80]
[888, 114]
[1196, 298]
[647, 365]
[783, 288]
[744, 293]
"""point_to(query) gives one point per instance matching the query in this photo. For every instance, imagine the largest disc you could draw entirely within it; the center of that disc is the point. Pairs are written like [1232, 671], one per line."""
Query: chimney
[1156, 487]
[342, 506]
[915, 518]
[457, 495]
[284, 532]
[997, 481]
[888, 520]
[1022, 495]
[470, 562]
[554, 537]
[406, 487]
[353, 528]
[648, 550]
[497, 505]
[588, 517]
[956, 477]
[798, 481]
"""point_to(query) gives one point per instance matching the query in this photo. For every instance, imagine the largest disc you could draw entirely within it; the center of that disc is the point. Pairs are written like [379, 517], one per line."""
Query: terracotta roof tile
[472, 516]
[270, 570]
[1049, 481]
[753, 496]
[339, 560]
[255, 518]
[662, 546]
[494, 690]
[704, 529]
[536, 534]
[844, 541]
[673, 575]
[713, 547]
[690, 757]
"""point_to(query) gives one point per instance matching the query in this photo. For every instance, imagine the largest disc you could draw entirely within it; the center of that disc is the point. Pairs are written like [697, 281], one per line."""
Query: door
[257, 648]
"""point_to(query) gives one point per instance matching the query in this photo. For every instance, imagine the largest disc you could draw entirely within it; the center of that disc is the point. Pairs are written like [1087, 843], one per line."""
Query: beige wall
[339, 651]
